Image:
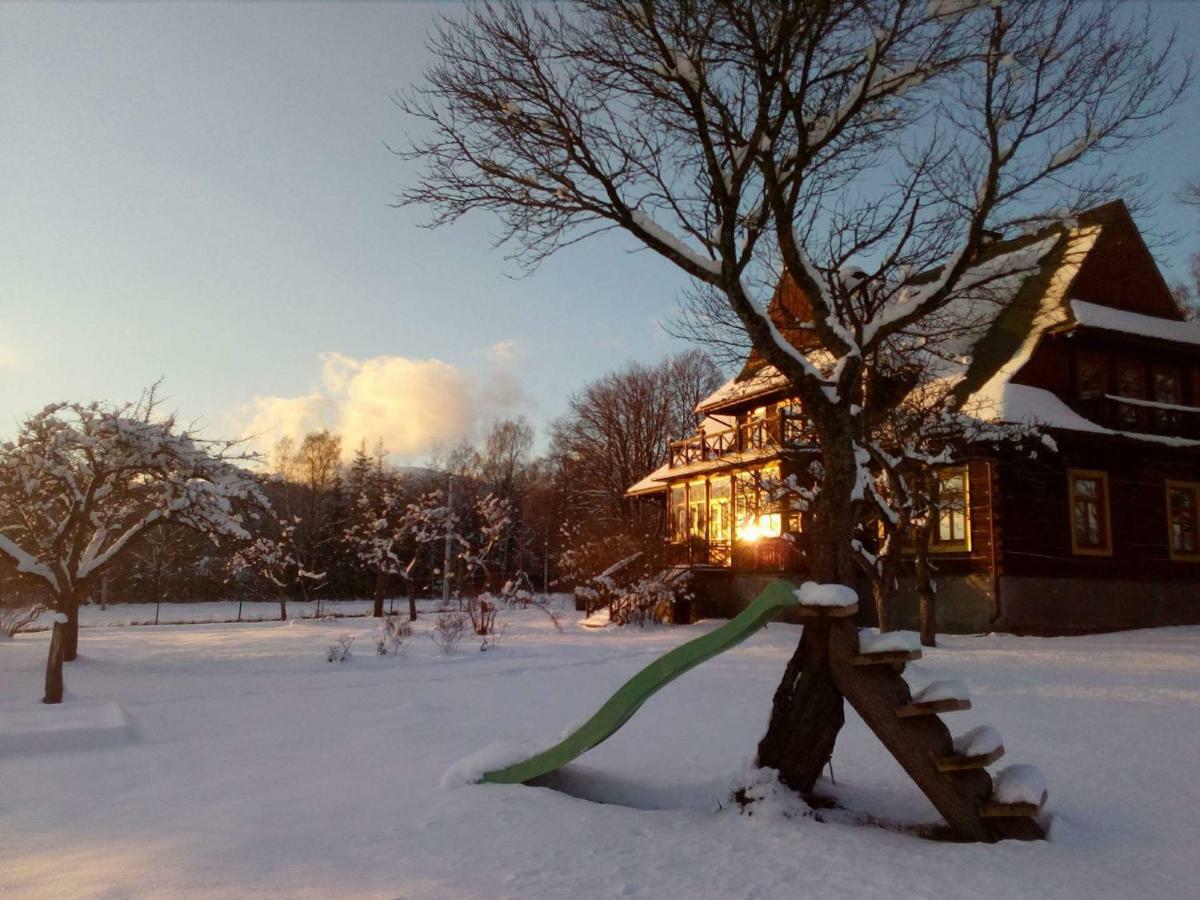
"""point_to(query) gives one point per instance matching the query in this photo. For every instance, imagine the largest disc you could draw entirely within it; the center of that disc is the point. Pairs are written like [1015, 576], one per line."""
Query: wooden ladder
[957, 784]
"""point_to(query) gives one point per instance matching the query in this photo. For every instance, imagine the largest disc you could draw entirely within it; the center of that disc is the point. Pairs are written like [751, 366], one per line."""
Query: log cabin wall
[1047, 586]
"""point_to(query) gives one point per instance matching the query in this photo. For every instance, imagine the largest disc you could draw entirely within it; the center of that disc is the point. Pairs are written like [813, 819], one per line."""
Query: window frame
[1100, 476]
[1194, 487]
[964, 546]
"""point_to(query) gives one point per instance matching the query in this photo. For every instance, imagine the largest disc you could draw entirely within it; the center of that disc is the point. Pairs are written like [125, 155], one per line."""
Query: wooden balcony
[1141, 416]
[756, 435]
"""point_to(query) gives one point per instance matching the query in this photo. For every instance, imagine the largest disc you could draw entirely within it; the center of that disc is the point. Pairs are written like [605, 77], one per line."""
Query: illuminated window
[1183, 499]
[719, 519]
[697, 510]
[953, 530]
[1090, 533]
[757, 512]
[678, 512]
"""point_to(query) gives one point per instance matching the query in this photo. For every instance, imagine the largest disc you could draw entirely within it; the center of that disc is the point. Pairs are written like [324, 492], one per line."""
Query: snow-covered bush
[340, 651]
[518, 590]
[448, 631]
[18, 615]
[391, 635]
[651, 600]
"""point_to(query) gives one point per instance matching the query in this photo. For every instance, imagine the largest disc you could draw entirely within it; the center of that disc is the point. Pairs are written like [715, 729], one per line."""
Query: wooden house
[1100, 532]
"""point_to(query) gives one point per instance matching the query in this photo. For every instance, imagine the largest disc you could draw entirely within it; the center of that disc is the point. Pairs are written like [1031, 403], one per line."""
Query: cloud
[506, 351]
[8, 356]
[412, 405]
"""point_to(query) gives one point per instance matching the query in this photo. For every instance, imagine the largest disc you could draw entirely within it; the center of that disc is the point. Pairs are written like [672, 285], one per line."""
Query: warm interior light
[749, 532]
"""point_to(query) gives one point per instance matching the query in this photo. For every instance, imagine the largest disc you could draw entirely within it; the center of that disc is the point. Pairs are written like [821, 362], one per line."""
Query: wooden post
[54, 665]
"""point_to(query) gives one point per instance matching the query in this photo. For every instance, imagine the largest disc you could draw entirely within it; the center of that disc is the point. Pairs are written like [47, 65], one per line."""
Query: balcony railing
[1141, 416]
[779, 432]
[782, 554]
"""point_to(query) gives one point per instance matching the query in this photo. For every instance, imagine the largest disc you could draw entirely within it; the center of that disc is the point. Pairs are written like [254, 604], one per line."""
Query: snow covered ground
[241, 763]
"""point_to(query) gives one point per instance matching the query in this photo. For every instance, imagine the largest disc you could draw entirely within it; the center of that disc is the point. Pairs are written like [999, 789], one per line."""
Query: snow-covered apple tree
[271, 562]
[82, 482]
[868, 150]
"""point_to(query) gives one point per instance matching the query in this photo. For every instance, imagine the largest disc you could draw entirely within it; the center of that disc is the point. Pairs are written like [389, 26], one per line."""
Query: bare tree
[742, 140]
[618, 428]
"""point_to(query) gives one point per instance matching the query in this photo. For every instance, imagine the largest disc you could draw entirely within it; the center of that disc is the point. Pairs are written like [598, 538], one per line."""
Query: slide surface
[776, 596]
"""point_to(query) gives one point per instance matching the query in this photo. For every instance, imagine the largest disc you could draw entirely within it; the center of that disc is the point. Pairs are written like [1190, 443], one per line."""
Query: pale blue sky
[200, 192]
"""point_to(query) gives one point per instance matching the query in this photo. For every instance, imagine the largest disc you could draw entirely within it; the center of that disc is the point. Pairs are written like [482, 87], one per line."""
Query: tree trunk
[879, 593]
[927, 595]
[808, 711]
[380, 585]
[71, 637]
[54, 664]
[282, 606]
[412, 603]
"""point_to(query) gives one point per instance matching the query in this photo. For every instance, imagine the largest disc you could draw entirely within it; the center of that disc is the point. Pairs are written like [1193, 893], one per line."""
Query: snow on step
[937, 691]
[813, 594]
[888, 642]
[982, 741]
[1020, 783]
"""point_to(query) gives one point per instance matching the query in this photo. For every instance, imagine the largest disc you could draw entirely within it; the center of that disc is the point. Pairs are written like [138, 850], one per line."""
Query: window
[757, 513]
[1183, 500]
[1090, 534]
[1091, 375]
[718, 510]
[953, 530]
[1166, 390]
[1131, 382]
[678, 512]
[697, 503]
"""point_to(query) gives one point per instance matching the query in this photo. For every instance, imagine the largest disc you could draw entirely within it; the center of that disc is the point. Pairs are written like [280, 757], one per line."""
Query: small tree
[83, 481]
[274, 565]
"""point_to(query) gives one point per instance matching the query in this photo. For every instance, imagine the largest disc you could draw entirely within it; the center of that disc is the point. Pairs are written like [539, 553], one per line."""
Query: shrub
[651, 600]
[391, 635]
[448, 631]
[18, 615]
[483, 611]
[340, 651]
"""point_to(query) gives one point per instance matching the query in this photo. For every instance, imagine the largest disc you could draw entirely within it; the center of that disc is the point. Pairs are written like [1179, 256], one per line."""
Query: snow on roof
[1022, 404]
[651, 484]
[1093, 315]
[765, 380]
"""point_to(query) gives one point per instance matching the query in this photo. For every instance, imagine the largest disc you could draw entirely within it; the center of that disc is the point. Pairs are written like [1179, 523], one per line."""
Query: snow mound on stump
[888, 642]
[1020, 783]
[76, 725]
[813, 594]
[978, 741]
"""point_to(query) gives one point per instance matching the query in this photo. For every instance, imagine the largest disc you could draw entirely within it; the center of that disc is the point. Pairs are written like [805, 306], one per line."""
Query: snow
[813, 594]
[1093, 315]
[1020, 783]
[942, 690]
[979, 741]
[73, 726]
[257, 769]
[871, 641]
[765, 380]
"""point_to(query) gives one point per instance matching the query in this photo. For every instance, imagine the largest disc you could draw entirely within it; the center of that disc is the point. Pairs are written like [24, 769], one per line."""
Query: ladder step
[885, 656]
[805, 611]
[931, 708]
[960, 763]
[990, 809]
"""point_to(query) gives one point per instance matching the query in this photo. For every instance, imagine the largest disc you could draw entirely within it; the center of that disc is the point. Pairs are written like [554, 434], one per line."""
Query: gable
[1121, 272]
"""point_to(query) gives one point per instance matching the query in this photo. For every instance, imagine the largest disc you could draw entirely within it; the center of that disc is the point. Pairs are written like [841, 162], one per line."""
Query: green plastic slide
[777, 596]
